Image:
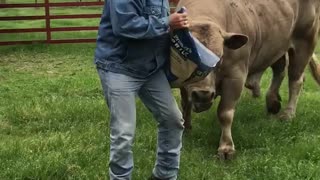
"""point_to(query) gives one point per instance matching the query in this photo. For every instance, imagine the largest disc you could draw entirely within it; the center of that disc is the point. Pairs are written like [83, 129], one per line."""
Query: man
[132, 47]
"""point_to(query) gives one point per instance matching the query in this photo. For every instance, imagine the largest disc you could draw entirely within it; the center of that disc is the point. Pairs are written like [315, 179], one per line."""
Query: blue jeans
[155, 92]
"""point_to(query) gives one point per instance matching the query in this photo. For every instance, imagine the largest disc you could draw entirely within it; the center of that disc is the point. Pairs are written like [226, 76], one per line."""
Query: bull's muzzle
[202, 100]
[200, 107]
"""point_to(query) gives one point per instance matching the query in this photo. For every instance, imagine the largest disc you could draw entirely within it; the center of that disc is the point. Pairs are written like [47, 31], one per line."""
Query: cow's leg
[298, 60]
[253, 83]
[273, 99]
[186, 105]
[230, 93]
[304, 41]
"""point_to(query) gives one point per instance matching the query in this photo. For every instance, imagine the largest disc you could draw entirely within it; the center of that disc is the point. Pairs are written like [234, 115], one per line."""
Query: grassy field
[53, 23]
[54, 124]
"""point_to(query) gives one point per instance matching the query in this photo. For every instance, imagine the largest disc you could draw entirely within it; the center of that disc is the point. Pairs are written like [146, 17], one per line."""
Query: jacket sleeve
[128, 21]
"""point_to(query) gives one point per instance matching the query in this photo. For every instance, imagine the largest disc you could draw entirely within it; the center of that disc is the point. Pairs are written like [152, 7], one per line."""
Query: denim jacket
[133, 37]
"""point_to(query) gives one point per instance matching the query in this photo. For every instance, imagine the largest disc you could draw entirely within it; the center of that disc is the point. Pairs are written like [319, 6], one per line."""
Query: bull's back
[282, 23]
[275, 22]
[270, 24]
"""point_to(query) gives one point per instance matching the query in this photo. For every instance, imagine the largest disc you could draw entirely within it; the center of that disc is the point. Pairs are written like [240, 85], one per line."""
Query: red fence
[47, 17]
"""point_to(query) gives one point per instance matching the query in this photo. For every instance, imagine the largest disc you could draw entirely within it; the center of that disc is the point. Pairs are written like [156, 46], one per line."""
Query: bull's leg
[298, 60]
[186, 105]
[253, 83]
[230, 93]
[273, 99]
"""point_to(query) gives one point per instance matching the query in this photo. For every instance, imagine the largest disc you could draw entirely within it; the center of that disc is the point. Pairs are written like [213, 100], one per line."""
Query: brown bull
[250, 36]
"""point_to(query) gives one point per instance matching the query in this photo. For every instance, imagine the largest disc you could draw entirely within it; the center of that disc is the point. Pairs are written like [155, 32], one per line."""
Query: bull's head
[202, 93]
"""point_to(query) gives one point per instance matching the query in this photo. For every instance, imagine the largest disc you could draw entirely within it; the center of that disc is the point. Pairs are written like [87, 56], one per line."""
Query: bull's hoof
[273, 107]
[256, 92]
[273, 104]
[286, 115]
[226, 154]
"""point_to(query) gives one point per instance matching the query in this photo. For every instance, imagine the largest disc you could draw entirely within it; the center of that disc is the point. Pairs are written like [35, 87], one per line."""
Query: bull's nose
[204, 96]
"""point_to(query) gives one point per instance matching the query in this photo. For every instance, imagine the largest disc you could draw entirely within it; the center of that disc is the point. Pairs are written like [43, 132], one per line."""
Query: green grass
[54, 125]
[54, 122]
[21, 24]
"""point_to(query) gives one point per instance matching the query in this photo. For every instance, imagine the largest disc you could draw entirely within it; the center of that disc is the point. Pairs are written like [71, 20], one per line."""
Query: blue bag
[190, 60]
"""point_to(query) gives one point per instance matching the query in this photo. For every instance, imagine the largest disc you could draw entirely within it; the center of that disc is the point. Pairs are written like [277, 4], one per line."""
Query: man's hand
[178, 20]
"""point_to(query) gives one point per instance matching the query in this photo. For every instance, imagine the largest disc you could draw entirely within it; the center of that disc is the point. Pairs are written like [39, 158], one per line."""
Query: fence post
[47, 14]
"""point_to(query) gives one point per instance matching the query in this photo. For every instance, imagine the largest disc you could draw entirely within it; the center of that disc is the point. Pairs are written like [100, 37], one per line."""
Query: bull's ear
[235, 41]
